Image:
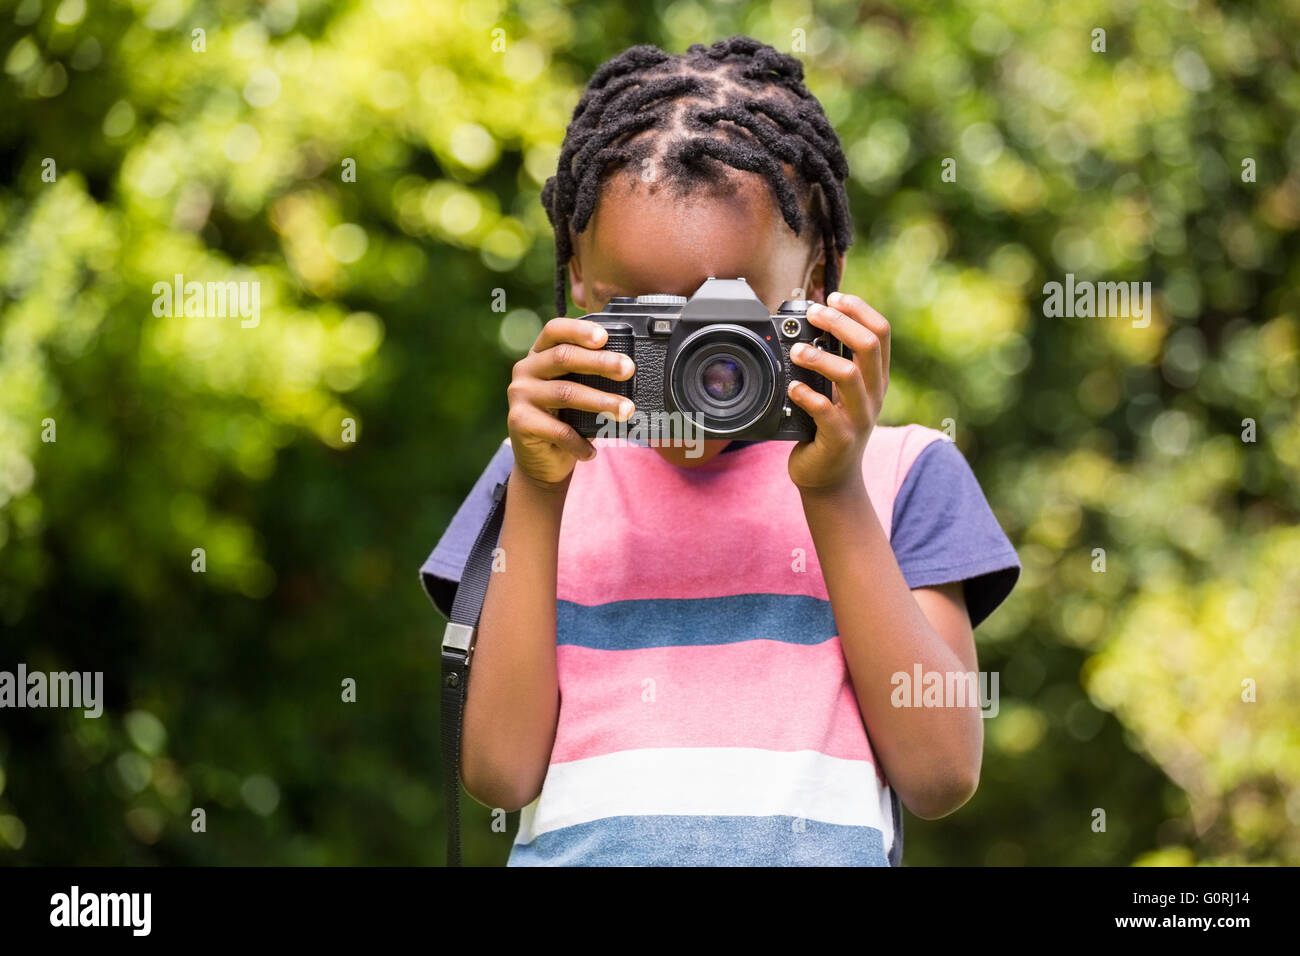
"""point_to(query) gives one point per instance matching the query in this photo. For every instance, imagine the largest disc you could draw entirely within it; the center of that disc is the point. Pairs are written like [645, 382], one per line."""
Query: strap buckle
[459, 638]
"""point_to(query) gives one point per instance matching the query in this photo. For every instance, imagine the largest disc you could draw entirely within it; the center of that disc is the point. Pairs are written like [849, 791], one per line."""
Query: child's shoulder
[911, 429]
[891, 457]
[904, 442]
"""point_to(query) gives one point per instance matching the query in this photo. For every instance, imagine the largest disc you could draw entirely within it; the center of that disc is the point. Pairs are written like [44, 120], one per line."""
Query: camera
[719, 359]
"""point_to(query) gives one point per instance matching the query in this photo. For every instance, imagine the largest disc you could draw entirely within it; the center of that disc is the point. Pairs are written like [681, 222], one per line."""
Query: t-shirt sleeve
[442, 569]
[943, 530]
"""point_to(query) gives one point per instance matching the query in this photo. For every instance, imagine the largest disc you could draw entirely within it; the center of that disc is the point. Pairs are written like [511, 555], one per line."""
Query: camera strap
[457, 648]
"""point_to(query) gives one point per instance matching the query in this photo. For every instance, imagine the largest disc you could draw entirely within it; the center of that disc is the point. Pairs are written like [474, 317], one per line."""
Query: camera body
[718, 358]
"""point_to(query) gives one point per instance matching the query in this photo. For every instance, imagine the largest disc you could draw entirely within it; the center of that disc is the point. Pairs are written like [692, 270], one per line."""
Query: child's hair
[639, 89]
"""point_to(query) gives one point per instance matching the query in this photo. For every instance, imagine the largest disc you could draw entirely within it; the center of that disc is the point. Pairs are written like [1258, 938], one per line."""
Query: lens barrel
[726, 375]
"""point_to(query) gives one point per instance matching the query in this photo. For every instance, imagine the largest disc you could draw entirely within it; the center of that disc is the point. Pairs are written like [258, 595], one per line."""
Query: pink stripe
[636, 527]
[763, 694]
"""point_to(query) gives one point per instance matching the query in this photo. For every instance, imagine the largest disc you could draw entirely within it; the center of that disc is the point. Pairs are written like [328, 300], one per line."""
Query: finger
[562, 393]
[578, 331]
[833, 426]
[526, 420]
[843, 372]
[848, 330]
[567, 357]
[858, 308]
[863, 342]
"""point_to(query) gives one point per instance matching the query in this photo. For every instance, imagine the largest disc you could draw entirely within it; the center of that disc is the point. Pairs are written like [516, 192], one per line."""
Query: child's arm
[512, 700]
[931, 755]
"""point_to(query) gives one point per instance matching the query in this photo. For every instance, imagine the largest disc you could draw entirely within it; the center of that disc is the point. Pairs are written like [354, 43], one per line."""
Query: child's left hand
[833, 459]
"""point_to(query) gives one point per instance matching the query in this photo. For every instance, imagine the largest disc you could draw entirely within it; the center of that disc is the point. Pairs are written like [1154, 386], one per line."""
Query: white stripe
[707, 781]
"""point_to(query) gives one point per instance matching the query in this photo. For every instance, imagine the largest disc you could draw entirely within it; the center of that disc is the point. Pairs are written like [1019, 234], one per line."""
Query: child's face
[643, 239]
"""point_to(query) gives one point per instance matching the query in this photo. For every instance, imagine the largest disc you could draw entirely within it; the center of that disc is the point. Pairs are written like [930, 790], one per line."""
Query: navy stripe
[695, 622]
[674, 840]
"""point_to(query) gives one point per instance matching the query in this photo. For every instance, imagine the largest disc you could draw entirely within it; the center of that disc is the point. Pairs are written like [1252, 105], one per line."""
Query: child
[696, 660]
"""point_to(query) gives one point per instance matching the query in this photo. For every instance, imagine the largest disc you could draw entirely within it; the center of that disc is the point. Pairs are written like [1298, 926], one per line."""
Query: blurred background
[376, 168]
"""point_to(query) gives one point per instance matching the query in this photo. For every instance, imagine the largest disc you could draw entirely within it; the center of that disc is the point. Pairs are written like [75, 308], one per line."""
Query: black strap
[457, 650]
[896, 810]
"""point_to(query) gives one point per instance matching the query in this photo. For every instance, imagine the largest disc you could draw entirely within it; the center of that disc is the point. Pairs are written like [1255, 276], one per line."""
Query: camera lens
[725, 376]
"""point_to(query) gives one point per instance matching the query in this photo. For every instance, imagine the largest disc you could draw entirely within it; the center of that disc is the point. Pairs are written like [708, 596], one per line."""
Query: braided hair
[738, 103]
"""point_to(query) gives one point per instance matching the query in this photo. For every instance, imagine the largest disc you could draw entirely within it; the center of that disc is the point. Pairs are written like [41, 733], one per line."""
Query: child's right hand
[544, 447]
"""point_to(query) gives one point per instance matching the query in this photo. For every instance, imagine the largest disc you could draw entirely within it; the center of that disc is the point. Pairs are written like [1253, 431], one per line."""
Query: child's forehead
[655, 238]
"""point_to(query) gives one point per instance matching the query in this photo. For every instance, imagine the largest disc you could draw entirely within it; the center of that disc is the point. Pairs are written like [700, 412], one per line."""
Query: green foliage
[1122, 690]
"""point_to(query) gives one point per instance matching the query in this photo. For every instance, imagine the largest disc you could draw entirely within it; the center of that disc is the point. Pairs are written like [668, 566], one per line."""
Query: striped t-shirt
[707, 715]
